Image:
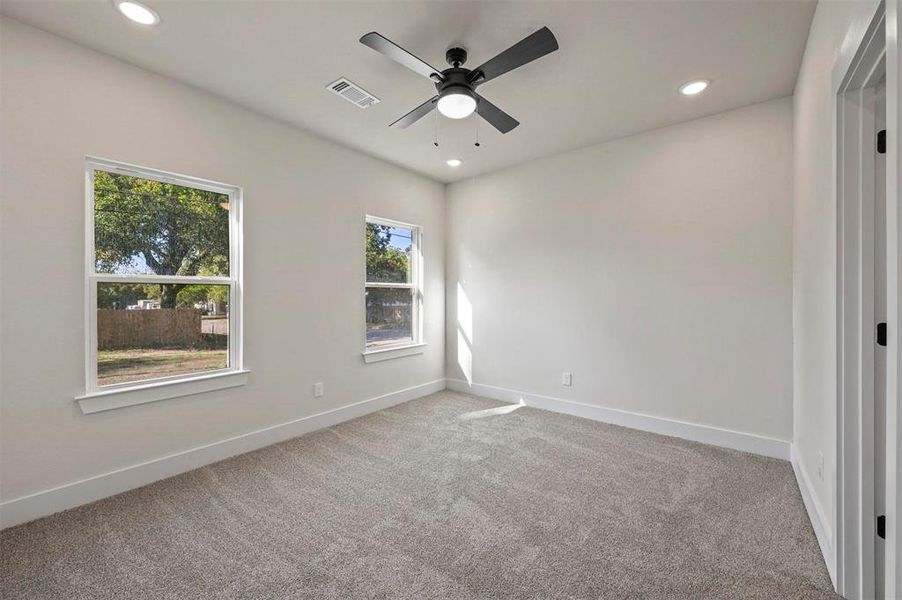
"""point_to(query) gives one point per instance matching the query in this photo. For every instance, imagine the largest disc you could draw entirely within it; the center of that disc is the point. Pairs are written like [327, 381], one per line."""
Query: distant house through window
[393, 284]
[162, 276]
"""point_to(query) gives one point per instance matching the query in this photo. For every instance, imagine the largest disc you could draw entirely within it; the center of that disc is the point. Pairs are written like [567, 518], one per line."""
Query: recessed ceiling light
[694, 87]
[454, 162]
[137, 12]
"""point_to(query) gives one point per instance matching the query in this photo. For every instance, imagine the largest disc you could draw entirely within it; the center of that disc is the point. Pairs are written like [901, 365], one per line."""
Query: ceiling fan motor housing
[455, 81]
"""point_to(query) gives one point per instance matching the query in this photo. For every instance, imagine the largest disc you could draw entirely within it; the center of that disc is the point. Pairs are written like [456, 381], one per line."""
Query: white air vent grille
[352, 93]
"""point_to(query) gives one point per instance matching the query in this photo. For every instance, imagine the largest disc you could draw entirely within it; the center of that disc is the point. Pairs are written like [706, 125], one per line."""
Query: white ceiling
[616, 73]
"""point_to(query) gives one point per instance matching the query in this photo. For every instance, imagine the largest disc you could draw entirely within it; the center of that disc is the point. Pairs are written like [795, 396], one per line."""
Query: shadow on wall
[464, 334]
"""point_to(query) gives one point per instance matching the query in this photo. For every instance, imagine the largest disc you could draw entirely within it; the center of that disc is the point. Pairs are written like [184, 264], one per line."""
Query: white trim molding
[40, 504]
[819, 521]
[706, 434]
[893, 545]
[869, 52]
[372, 356]
[160, 390]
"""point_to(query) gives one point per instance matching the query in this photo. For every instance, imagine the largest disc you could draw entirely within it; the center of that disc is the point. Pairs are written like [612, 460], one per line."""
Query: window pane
[152, 228]
[389, 314]
[388, 253]
[146, 331]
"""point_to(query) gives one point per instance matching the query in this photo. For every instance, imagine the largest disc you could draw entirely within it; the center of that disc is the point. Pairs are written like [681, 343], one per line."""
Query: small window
[394, 296]
[162, 276]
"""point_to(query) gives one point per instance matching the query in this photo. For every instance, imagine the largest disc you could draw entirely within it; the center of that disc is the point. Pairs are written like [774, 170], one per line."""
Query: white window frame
[97, 397]
[417, 345]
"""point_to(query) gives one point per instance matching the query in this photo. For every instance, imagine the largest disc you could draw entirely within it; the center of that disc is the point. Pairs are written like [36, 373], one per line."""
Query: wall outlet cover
[318, 389]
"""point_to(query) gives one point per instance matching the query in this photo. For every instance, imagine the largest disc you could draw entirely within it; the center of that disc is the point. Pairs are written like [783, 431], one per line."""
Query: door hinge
[881, 141]
[881, 334]
[881, 527]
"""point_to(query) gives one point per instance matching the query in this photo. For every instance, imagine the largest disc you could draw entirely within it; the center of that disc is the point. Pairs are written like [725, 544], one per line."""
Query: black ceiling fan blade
[496, 117]
[398, 54]
[416, 114]
[528, 49]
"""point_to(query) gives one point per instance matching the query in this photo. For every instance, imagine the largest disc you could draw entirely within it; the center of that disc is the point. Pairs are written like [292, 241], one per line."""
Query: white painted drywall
[814, 252]
[656, 269]
[305, 201]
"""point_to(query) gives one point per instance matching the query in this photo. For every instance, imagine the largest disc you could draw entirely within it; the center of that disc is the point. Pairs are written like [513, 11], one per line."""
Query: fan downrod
[456, 57]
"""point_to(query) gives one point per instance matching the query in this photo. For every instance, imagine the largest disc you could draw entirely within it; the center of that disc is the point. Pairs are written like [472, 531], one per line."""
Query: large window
[163, 277]
[393, 285]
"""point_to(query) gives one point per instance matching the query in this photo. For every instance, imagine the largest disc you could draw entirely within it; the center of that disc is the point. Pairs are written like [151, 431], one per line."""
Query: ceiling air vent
[352, 93]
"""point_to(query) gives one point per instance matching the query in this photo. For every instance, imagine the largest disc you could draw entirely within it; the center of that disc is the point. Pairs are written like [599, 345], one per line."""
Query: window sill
[151, 392]
[371, 356]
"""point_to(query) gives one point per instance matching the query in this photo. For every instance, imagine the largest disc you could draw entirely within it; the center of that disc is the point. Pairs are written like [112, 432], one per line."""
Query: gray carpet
[450, 496]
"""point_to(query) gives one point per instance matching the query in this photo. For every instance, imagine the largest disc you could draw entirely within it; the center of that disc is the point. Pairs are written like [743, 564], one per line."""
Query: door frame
[868, 50]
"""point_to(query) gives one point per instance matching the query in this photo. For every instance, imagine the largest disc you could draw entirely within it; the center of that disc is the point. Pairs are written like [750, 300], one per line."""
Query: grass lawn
[118, 366]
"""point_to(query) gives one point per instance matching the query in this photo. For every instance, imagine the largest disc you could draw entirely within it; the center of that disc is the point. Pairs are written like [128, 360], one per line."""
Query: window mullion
[382, 284]
[156, 279]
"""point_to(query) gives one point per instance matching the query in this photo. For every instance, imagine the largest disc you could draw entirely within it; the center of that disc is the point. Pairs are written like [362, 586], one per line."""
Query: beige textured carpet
[450, 496]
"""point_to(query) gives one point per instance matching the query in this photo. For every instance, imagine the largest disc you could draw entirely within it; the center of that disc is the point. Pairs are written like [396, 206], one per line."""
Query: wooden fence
[161, 328]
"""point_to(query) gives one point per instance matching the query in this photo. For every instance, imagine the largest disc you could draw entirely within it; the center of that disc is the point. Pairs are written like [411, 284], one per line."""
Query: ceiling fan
[456, 86]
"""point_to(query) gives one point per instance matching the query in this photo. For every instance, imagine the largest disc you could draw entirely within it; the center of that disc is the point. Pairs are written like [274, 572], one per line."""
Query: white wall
[305, 201]
[814, 253]
[656, 268]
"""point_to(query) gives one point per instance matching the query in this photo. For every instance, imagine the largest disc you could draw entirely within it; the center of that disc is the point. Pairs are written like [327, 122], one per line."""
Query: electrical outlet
[318, 389]
[567, 378]
[820, 466]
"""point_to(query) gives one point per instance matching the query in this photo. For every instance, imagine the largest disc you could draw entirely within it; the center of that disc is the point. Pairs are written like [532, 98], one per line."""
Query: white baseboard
[70, 495]
[726, 438]
[819, 522]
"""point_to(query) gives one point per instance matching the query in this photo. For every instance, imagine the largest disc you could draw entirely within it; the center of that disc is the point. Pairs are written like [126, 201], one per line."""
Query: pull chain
[476, 115]
[435, 128]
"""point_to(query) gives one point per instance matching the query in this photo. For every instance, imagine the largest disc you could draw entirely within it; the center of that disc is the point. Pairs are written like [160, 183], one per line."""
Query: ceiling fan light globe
[456, 105]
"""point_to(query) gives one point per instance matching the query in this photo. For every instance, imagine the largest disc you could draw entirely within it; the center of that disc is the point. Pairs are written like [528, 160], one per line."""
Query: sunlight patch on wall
[464, 313]
[464, 357]
[464, 334]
